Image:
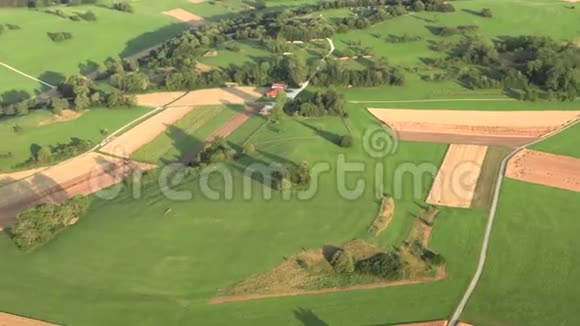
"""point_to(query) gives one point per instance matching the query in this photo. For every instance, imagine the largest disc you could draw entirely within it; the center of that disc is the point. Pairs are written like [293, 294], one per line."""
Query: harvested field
[384, 216]
[197, 1]
[145, 132]
[456, 180]
[65, 115]
[213, 96]
[547, 169]
[14, 320]
[10, 177]
[510, 128]
[83, 175]
[184, 16]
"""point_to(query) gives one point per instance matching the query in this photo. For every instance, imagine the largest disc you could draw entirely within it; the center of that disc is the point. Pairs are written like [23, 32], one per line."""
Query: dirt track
[473, 127]
[184, 16]
[219, 300]
[547, 169]
[456, 180]
[83, 175]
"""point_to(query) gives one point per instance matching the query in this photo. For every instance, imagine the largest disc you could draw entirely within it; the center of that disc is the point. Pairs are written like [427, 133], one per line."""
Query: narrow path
[292, 94]
[27, 75]
[484, 248]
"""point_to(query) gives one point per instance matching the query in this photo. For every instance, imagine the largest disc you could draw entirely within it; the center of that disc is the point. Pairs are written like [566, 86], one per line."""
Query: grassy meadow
[530, 276]
[564, 143]
[91, 125]
[151, 260]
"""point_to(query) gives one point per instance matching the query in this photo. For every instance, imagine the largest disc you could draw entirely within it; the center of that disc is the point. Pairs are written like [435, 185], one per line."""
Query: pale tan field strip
[212, 96]
[511, 128]
[13, 320]
[457, 177]
[181, 103]
[83, 175]
[9, 177]
[145, 132]
[546, 169]
[184, 16]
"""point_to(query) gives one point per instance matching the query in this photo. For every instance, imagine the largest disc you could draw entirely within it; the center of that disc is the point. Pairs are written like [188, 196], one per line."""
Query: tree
[43, 155]
[22, 108]
[345, 141]
[342, 261]
[278, 110]
[418, 6]
[59, 104]
[296, 68]
[249, 149]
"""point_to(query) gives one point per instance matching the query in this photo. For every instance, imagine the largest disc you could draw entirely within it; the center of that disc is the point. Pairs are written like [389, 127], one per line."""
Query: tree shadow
[187, 145]
[328, 251]
[88, 67]
[51, 77]
[308, 318]
[329, 136]
[427, 20]
[473, 12]
[152, 39]
[14, 96]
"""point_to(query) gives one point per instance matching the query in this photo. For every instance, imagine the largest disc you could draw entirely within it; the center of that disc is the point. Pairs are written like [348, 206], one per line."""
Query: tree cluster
[38, 225]
[46, 155]
[289, 176]
[216, 151]
[123, 6]
[387, 265]
[531, 67]
[336, 73]
[321, 103]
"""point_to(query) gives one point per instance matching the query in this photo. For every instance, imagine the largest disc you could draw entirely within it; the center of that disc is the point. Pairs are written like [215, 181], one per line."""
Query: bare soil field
[456, 180]
[10, 177]
[197, 1]
[13, 320]
[83, 175]
[145, 132]
[184, 16]
[201, 67]
[473, 127]
[547, 169]
[212, 96]
[65, 115]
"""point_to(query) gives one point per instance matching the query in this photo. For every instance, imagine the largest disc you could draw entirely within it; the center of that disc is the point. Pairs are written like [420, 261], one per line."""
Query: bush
[60, 36]
[387, 265]
[486, 12]
[123, 6]
[216, 151]
[345, 141]
[342, 261]
[88, 16]
[40, 224]
[249, 149]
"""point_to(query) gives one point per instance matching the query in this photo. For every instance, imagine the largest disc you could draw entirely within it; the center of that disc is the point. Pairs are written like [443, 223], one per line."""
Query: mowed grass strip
[187, 134]
[531, 275]
[487, 180]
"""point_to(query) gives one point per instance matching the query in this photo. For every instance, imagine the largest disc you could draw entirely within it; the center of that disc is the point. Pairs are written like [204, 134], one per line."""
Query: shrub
[88, 16]
[216, 151]
[59, 104]
[12, 27]
[123, 6]
[345, 141]
[486, 12]
[60, 36]
[38, 225]
[342, 261]
[387, 265]
[249, 149]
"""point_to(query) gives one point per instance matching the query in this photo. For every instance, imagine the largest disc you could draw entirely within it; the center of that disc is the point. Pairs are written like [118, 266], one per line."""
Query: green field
[130, 261]
[564, 143]
[187, 135]
[530, 277]
[91, 125]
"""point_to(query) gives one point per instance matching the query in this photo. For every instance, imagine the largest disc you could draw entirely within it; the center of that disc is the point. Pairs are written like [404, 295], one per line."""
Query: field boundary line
[442, 100]
[27, 75]
[486, 238]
